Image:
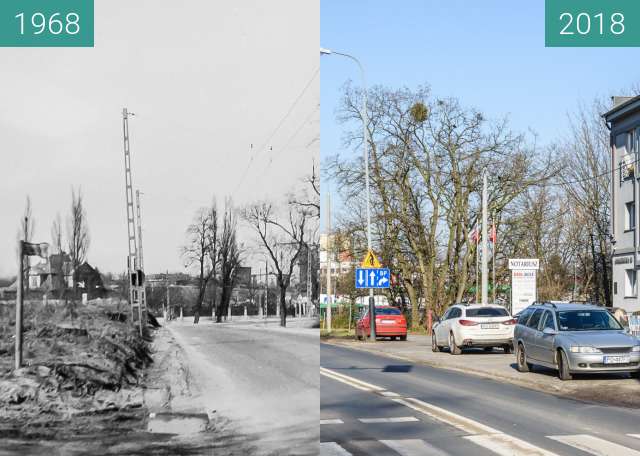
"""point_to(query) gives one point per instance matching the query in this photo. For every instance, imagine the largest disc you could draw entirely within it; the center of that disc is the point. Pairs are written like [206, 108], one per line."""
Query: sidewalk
[610, 389]
[301, 326]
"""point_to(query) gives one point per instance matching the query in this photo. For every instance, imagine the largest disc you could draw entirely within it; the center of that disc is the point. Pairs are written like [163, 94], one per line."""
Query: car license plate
[489, 326]
[388, 322]
[616, 359]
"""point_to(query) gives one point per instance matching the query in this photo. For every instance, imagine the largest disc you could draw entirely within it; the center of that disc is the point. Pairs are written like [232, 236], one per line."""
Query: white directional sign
[373, 277]
[523, 282]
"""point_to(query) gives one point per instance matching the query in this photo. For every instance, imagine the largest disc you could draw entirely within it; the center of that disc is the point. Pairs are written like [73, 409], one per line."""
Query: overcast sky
[205, 80]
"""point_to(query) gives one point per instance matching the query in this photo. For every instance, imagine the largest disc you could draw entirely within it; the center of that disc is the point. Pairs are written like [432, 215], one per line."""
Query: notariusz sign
[524, 263]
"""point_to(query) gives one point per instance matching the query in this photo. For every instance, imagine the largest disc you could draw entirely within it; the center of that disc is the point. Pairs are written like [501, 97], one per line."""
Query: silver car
[574, 338]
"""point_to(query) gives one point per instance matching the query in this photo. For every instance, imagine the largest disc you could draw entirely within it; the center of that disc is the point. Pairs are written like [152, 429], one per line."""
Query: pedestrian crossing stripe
[332, 421]
[594, 445]
[500, 444]
[393, 419]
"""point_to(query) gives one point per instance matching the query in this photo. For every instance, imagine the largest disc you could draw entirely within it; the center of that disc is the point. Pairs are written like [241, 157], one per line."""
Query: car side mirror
[549, 332]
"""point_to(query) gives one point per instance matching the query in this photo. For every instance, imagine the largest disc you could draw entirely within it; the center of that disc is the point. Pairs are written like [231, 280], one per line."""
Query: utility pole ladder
[136, 285]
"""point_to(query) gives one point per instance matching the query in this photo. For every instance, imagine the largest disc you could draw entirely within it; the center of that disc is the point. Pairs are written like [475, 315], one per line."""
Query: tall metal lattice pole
[136, 291]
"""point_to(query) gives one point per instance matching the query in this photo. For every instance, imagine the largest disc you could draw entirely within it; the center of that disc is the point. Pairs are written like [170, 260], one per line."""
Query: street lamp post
[365, 142]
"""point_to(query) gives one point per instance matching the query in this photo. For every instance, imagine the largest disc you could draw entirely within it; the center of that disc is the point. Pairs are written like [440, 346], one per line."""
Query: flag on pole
[475, 234]
[30, 249]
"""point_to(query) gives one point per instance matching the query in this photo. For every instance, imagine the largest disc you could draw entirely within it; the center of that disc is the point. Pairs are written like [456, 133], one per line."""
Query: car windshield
[487, 312]
[387, 311]
[587, 320]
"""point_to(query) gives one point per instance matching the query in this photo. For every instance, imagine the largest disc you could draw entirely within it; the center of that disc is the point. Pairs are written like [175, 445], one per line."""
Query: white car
[473, 325]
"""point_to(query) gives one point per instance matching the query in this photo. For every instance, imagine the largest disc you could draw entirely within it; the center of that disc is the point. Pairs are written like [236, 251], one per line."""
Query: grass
[338, 333]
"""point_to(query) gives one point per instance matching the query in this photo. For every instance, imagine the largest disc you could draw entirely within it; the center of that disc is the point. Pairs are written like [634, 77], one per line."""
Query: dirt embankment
[79, 374]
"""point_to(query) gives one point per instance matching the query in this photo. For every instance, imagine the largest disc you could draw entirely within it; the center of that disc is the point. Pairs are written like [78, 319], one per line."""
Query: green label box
[592, 23]
[46, 23]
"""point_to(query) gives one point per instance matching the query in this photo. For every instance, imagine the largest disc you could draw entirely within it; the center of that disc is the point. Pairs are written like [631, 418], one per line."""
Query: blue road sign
[372, 277]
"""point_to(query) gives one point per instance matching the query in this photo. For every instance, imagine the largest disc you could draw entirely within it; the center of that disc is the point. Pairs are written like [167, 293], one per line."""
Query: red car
[389, 323]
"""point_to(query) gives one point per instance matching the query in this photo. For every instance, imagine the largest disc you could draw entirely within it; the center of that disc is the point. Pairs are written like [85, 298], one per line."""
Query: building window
[630, 216]
[615, 288]
[630, 283]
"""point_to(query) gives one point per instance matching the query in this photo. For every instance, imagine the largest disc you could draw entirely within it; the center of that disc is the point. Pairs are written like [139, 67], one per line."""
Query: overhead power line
[258, 151]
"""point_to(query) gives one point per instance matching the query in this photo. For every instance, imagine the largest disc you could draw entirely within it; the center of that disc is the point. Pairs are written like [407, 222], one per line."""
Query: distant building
[56, 274]
[624, 123]
[244, 276]
[52, 275]
[337, 259]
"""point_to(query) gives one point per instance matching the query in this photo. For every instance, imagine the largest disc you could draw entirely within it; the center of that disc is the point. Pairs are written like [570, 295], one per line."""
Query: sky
[488, 54]
[205, 79]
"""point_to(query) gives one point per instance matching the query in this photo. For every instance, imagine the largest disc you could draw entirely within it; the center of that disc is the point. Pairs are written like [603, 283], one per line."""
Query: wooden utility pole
[18, 344]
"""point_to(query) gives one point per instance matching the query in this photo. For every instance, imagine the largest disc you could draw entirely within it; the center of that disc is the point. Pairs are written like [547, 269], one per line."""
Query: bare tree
[56, 235]
[229, 257]
[283, 237]
[586, 182]
[77, 236]
[58, 265]
[426, 162]
[201, 250]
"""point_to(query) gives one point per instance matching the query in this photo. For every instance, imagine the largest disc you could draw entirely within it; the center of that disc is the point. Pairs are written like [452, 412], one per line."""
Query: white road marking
[414, 447]
[636, 436]
[389, 394]
[506, 445]
[594, 445]
[463, 423]
[346, 382]
[332, 421]
[481, 434]
[395, 419]
[350, 380]
[332, 449]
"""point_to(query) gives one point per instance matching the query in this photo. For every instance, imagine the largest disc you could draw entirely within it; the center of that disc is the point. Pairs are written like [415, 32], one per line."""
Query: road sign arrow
[382, 281]
[372, 277]
[361, 277]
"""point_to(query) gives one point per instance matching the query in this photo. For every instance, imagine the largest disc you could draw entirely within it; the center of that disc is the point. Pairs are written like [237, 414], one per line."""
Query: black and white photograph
[160, 233]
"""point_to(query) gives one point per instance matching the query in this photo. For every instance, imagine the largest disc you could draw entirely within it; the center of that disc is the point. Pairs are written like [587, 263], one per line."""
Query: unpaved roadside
[168, 419]
[619, 390]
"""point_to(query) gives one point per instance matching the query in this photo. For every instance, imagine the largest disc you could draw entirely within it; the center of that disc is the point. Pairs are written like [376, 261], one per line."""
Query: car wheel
[434, 346]
[563, 366]
[488, 349]
[508, 349]
[635, 374]
[453, 348]
[523, 365]
[403, 337]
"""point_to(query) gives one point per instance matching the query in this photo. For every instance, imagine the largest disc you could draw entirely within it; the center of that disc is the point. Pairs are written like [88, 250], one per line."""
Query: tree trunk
[196, 312]
[283, 305]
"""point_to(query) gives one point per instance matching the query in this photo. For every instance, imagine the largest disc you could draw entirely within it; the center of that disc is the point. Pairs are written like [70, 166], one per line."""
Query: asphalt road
[263, 378]
[375, 405]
